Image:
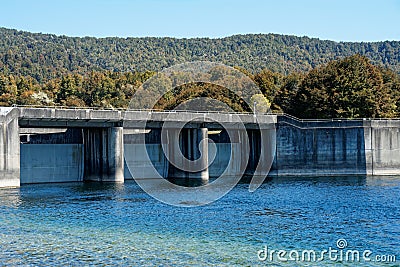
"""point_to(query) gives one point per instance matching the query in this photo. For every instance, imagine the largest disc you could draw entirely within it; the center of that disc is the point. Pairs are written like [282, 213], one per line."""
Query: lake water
[103, 224]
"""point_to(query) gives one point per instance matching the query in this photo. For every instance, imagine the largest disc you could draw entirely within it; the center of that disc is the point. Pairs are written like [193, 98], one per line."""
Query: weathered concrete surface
[51, 155]
[51, 117]
[51, 163]
[382, 146]
[327, 147]
[143, 153]
[223, 164]
[30, 131]
[136, 156]
[9, 148]
[137, 163]
[319, 148]
[104, 154]
[188, 153]
[347, 147]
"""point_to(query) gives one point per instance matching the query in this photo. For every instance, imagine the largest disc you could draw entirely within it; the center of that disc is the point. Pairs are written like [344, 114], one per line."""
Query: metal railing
[145, 110]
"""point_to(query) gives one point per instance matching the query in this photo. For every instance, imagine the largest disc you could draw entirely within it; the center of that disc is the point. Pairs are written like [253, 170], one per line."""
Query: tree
[269, 83]
[285, 97]
[261, 103]
[347, 88]
[8, 91]
[68, 87]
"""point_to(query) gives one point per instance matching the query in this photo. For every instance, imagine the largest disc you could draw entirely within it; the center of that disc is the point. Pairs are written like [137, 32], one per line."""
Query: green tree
[285, 98]
[8, 91]
[261, 103]
[347, 88]
[68, 87]
[269, 83]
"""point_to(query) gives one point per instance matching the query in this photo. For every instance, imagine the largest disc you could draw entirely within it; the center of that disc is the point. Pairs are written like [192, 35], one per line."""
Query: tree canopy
[347, 88]
[47, 56]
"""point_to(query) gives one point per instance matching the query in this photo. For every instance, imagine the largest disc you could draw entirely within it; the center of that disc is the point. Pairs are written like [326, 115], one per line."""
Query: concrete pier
[103, 154]
[9, 148]
[202, 143]
[188, 153]
[266, 144]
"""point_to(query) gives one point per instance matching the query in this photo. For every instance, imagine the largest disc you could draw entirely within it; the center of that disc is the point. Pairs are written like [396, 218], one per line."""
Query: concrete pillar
[254, 141]
[244, 149]
[103, 154]
[262, 144]
[266, 152]
[9, 149]
[202, 142]
[189, 152]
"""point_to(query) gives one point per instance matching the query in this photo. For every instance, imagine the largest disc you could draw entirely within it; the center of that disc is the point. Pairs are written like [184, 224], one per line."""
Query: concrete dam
[43, 145]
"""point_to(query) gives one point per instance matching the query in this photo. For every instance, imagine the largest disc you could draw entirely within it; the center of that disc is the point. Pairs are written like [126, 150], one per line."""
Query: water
[104, 224]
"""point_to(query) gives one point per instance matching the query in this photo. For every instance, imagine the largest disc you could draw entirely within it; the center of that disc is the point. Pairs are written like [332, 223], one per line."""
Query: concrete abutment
[9, 148]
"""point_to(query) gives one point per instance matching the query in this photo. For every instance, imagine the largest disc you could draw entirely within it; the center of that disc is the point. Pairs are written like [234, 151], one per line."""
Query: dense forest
[347, 88]
[320, 79]
[46, 56]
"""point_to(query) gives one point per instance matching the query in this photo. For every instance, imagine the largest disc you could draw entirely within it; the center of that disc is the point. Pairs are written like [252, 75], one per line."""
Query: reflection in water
[354, 180]
[273, 212]
[11, 197]
[119, 224]
[188, 182]
[382, 180]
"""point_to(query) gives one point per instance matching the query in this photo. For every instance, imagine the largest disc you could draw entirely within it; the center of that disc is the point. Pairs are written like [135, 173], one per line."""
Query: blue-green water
[103, 224]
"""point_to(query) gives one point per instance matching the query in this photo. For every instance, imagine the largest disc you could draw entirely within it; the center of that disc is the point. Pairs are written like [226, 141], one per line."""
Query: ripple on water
[90, 224]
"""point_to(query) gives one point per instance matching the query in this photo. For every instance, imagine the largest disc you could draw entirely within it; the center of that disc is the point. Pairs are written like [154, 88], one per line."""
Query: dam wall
[220, 165]
[337, 147]
[382, 146]
[320, 148]
[49, 163]
[64, 145]
[59, 157]
[52, 157]
[323, 148]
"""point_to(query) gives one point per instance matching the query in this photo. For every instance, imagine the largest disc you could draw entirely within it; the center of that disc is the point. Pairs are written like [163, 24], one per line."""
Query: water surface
[104, 224]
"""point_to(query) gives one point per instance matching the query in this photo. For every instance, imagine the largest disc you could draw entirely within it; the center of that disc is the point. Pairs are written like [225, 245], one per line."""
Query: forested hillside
[347, 88]
[45, 56]
[308, 78]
